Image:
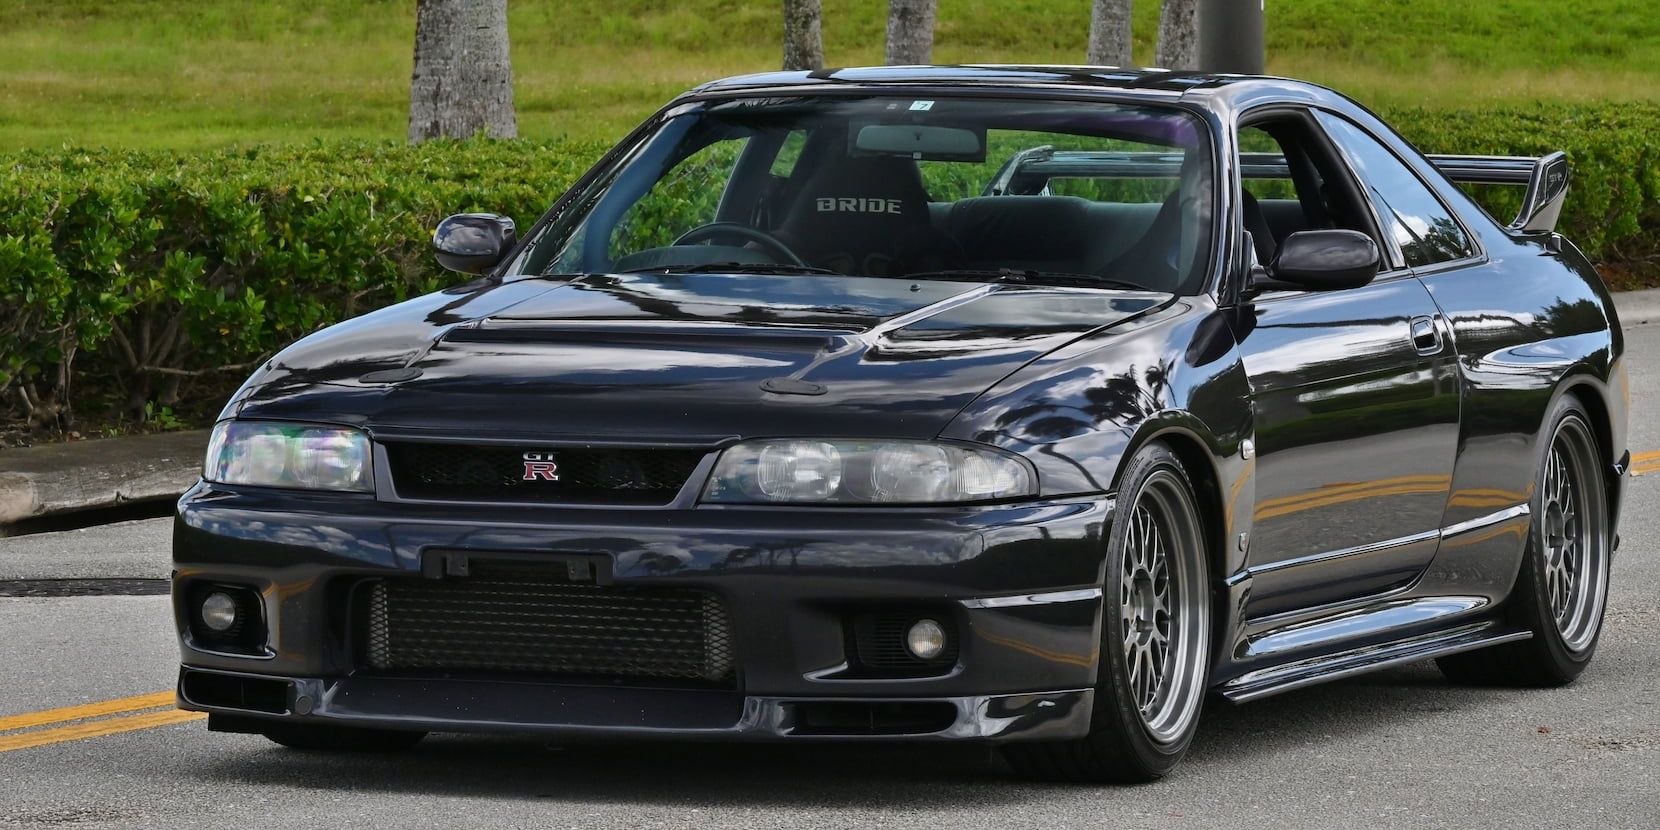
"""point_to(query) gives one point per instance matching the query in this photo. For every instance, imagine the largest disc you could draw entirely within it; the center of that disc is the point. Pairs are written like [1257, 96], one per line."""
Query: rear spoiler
[1546, 179]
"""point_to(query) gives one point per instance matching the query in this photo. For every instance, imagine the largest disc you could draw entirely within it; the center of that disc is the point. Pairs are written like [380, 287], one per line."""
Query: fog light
[925, 640]
[219, 612]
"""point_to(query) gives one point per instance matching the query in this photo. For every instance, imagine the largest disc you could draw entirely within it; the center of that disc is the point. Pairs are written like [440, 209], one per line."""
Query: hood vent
[694, 335]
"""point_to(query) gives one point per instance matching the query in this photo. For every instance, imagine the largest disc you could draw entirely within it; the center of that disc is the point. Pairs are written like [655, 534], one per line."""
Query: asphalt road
[1401, 748]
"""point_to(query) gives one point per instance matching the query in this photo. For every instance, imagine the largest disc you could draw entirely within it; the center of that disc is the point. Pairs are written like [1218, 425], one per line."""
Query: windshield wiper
[733, 268]
[1019, 276]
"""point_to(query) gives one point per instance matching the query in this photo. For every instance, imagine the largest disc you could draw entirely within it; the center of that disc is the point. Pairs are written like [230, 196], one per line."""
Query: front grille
[517, 621]
[465, 472]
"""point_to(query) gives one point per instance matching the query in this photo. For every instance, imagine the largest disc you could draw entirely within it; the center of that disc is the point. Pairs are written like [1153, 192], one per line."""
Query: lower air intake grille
[510, 622]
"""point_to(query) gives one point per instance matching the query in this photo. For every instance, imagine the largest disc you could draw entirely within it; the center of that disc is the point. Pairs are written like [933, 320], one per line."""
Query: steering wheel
[718, 230]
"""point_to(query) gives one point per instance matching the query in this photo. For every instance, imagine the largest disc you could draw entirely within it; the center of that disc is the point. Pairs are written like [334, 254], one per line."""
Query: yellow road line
[1643, 463]
[86, 710]
[93, 729]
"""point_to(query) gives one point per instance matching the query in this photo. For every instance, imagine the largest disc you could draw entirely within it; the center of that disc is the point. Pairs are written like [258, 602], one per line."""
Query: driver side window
[1290, 181]
[684, 198]
[1422, 226]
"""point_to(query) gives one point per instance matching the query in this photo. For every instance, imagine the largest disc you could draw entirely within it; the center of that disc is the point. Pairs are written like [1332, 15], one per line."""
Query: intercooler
[508, 620]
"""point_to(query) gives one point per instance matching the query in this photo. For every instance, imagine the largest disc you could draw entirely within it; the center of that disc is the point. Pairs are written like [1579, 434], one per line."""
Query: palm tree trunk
[803, 46]
[1178, 46]
[463, 79]
[910, 32]
[1109, 33]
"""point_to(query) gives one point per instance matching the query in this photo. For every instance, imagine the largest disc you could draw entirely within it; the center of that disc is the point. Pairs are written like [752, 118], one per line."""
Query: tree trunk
[803, 46]
[910, 32]
[1178, 46]
[1109, 33]
[463, 80]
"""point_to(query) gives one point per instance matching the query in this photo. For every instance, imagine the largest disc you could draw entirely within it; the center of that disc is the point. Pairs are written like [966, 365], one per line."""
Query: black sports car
[1021, 404]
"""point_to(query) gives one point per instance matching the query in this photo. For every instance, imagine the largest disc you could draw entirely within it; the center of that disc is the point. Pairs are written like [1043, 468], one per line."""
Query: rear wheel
[1155, 651]
[321, 738]
[1563, 586]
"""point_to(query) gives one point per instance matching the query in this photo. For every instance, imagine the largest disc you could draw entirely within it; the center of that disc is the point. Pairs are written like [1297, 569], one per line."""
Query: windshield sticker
[921, 106]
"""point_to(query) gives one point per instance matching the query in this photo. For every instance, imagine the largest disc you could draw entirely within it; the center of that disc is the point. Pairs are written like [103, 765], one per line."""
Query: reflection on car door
[1355, 400]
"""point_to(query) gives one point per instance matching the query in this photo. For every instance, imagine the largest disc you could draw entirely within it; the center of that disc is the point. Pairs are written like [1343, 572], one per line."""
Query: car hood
[673, 357]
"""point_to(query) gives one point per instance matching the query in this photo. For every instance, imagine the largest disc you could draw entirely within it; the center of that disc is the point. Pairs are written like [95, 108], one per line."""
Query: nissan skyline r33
[1032, 405]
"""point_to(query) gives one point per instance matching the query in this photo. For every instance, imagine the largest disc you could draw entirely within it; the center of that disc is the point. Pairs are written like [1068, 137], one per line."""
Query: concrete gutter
[1637, 308]
[85, 475]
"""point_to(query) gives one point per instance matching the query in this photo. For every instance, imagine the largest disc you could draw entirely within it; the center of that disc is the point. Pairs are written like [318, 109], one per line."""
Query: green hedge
[1613, 209]
[126, 274]
[143, 270]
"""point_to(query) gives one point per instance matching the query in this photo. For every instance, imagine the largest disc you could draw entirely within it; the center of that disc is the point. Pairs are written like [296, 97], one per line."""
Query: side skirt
[1284, 678]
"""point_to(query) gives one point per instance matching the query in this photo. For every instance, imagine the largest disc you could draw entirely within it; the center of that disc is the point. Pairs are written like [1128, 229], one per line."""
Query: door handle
[1426, 338]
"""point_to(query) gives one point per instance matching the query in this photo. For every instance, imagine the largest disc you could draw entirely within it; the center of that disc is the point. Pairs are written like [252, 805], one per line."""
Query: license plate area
[568, 566]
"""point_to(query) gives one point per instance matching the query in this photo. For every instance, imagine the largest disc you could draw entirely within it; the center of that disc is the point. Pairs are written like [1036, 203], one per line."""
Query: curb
[86, 475]
[1637, 308]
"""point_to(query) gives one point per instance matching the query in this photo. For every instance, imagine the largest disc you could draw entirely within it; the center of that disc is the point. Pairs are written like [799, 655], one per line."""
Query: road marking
[86, 710]
[1643, 463]
[93, 729]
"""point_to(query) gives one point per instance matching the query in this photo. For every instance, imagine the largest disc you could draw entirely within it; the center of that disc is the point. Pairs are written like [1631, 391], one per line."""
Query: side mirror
[473, 243]
[1323, 260]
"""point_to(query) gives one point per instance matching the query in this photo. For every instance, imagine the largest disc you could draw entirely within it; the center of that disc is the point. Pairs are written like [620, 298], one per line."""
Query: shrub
[1613, 208]
[143, 269]
[123, 274]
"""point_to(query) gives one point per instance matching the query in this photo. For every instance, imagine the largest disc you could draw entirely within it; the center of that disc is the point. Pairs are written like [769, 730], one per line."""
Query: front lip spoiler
[448, 705]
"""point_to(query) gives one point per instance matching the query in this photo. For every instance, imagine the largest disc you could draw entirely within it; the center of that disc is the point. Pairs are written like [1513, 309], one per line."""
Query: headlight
[288, 455]
[838, 471]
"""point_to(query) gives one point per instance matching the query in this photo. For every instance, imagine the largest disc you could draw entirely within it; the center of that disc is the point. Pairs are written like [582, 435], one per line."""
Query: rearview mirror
[473, 243]
[920, 141]
[1323, 260]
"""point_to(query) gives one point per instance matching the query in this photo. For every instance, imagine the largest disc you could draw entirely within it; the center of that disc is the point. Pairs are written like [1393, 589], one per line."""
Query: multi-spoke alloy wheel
[1563, 584]
[1144, 604]
[1155, 635]
[1575, 560]
[1158, 606]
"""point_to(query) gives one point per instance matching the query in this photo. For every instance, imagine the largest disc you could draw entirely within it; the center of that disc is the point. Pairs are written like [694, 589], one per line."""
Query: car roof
[1152, 83]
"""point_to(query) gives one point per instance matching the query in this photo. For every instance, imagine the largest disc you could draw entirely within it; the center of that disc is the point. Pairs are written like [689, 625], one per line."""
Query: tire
[1156, 588]
[320, 738]
[1562, 590]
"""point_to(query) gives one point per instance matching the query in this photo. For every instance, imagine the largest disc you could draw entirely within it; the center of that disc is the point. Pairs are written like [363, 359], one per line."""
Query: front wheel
[1155, 651]
[1563, 586]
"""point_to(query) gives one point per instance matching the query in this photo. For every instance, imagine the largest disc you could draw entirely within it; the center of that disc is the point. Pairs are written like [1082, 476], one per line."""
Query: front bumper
[440, 705]
[1019, 583]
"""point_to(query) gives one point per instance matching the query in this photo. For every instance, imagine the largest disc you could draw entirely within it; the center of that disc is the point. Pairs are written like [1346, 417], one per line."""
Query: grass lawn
[207, 73]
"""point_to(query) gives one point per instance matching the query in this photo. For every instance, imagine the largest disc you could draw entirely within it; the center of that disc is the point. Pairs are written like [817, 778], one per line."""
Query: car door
[1354, 397]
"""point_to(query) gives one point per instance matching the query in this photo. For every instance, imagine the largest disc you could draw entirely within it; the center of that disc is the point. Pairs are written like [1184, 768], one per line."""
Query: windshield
[891, 186]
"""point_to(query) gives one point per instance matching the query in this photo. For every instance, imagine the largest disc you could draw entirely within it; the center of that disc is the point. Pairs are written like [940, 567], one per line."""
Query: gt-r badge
[540, 465]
